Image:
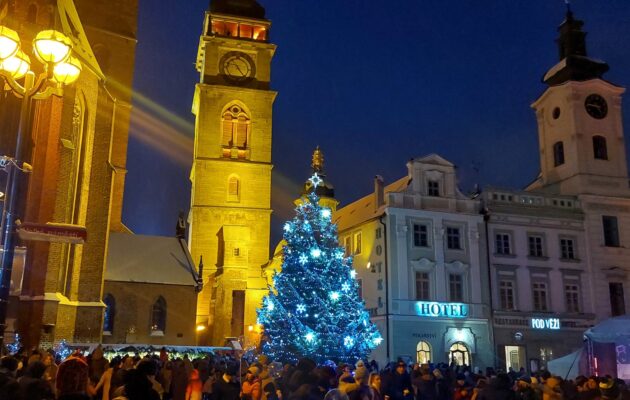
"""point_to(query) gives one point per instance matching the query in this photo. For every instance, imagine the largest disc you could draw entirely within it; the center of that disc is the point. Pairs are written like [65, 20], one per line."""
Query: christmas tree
[314, 309]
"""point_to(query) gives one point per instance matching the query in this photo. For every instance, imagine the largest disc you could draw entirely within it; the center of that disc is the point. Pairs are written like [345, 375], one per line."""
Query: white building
[416, 246]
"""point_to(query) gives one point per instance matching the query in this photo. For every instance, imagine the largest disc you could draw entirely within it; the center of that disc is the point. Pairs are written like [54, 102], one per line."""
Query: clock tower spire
[231, 172]
[580, 132]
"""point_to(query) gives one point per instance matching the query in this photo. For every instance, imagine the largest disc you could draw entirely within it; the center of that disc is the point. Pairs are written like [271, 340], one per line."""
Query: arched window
[600, 151]
[31, 15]
[459, 354]
[558, 154]
[236, 130]
[234, 188]
[158, 315]
[110, 313]
[423, 352]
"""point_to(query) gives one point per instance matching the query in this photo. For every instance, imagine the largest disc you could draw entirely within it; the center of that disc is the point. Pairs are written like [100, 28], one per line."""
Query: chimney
[379, 191]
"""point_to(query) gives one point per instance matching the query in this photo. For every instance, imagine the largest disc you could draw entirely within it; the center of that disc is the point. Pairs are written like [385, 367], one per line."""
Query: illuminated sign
[447, 310]
[545, 323]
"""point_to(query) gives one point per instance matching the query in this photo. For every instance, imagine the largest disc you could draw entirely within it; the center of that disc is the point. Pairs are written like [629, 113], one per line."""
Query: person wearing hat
[252, 389]
[225, 388]
[399, 387]
[362, 390]
[609, 389]
[524, 389]
[462, 389]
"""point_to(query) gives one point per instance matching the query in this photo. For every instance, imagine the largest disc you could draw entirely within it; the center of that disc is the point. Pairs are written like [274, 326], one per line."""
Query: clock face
[237, 67]
[596, 106]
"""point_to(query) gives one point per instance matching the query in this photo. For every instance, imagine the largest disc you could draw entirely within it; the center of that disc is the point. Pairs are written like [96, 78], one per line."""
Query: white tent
[567, 367]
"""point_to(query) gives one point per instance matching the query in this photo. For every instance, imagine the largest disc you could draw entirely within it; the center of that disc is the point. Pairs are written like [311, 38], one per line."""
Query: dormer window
[433, 188]
[558, 154]
[600, 151]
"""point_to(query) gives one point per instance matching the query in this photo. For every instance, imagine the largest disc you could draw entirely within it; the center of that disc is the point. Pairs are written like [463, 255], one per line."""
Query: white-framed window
[357, 243]
[433, 188]
[455, 287]
[423, 286]
[420, 235]
[453, 238]
[567, 249]
[572, 295]
[502, 243]
[506, 294]
[535, 244]
[423, 352]
[539, 296]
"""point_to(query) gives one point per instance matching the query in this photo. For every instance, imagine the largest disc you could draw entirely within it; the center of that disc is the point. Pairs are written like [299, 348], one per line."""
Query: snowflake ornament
[303, 259]
[315, 180]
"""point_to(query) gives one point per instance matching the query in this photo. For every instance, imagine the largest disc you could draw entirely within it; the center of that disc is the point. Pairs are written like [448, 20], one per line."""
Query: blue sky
[373, 83]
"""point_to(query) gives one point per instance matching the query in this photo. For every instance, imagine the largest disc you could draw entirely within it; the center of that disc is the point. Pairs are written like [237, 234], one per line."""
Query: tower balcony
[256, 30]
[234, 152]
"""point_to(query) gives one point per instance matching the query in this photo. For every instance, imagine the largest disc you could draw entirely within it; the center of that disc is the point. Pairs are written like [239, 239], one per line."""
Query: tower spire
[574, 63]
[318, 161]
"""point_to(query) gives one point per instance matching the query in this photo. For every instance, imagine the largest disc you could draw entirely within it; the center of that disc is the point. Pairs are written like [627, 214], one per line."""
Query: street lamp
[53, 49]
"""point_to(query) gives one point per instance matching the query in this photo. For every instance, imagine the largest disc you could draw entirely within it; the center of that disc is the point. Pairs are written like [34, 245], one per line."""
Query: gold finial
[318, 160]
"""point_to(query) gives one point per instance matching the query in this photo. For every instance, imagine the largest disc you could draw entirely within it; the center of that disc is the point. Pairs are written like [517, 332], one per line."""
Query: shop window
[459, 354]
[456, 287]
[600, 152]
[420, 235]
[539, 295]
[611, 231]
[506, 294]
[423, 352]
[453, 240]
[546, 355]
[515, 357]
[617, 299]
[110, 313]
[422, 286]
[567, 249]
[558, 154]
[158, 316]
[502, 243]
[535, 246]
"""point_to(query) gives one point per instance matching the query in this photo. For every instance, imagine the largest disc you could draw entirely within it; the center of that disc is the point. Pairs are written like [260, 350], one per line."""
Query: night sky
[373, 83]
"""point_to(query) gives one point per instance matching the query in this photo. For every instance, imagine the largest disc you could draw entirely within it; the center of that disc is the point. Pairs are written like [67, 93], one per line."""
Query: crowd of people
[41, 375]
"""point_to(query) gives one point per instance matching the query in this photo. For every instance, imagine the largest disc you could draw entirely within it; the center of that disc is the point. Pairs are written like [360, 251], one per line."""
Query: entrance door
[459, 354]
[515, 357]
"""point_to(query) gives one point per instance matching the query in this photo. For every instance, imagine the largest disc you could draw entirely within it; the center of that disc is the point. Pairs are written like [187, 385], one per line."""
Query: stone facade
[231, 172]
[79, 145]
[132, 319]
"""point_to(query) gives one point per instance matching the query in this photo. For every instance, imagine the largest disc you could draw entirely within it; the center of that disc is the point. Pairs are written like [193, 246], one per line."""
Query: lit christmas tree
[314, 309]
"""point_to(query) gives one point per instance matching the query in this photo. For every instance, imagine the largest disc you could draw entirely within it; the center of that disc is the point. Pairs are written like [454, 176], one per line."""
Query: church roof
[239, 8]
[149, 259]
[364, 209]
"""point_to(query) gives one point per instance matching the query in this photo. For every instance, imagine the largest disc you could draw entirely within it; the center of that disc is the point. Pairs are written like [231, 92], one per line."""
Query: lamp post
[53, 49]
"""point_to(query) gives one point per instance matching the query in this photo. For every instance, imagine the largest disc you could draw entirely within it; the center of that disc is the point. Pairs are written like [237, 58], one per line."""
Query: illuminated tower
[231, 172]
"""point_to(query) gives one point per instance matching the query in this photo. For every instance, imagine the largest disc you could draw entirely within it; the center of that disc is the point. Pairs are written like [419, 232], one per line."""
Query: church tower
[580, 130]
[231, 172]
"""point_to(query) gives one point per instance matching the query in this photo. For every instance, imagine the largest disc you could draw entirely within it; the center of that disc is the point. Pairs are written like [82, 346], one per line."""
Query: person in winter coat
[400, 384]
[462, 390]
[9, 388]
[252, 389]
[72, 379]
[33, 386]
[225, 388]
[442, 386]
[138, 387]
[500, 388]
[524, 390]
[374, 382]
[425, 385]
[195, 386]
[552, 389]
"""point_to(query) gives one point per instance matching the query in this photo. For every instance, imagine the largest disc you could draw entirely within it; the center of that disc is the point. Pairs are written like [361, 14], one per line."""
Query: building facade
[231, 172]
[541, 292]
[417, 251]
[78, 154]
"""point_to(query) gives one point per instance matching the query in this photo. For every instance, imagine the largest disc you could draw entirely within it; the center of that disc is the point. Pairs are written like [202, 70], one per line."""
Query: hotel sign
[445, 310]
[545, 323]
